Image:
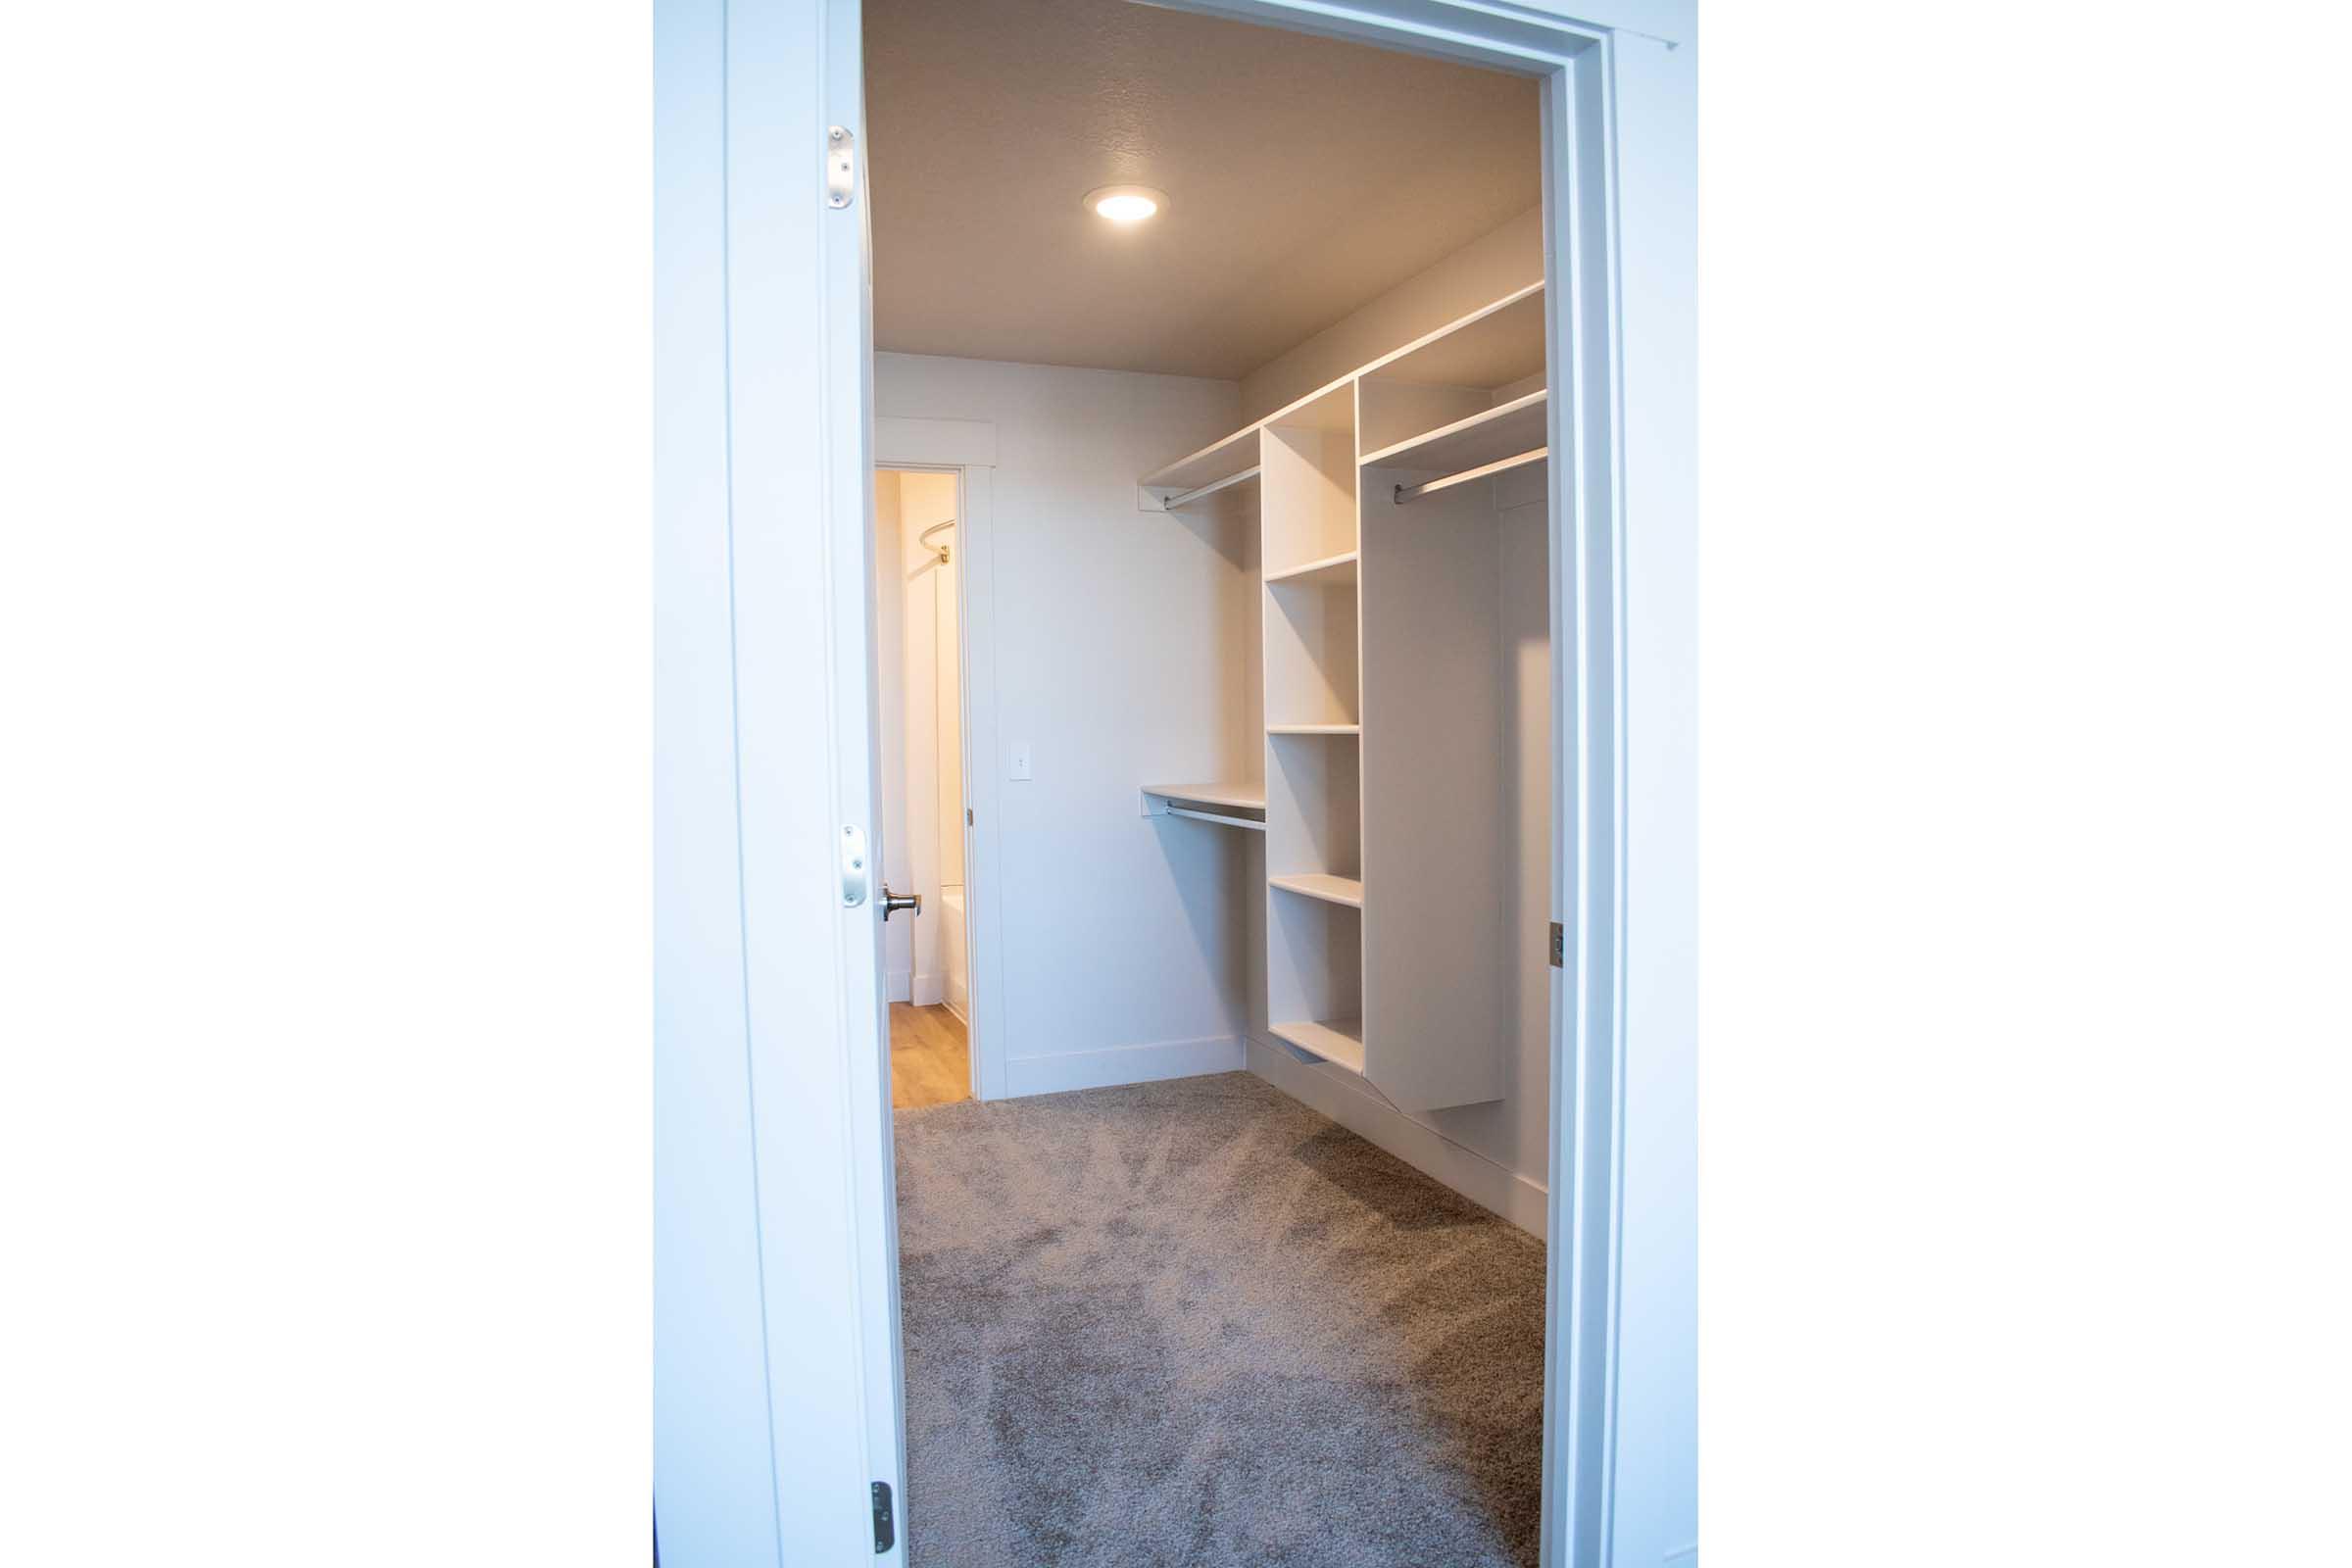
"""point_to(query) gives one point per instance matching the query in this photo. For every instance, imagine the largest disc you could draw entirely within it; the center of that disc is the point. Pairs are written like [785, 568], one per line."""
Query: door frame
[792, 67]
[968, 449]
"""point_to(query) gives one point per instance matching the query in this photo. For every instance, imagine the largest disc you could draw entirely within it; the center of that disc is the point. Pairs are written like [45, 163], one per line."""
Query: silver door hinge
[841, 167]
[1560, 946]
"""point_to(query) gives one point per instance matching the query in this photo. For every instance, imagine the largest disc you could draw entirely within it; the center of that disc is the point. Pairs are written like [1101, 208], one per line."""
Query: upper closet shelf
[1501, 431]
[1236, 456]
[1493, 346]
[1235, 801]
[1243, 794]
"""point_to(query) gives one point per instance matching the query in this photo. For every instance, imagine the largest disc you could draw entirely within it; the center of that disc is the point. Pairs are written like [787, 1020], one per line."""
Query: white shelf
[1228, 459]
[1338, 1041]
[1502, 431]
[1331, 572]
[1247, 795]
[1493, 346]
[1345, 890]
[1314, 729]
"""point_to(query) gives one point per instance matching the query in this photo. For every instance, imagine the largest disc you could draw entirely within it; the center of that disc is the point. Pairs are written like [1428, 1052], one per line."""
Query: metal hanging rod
[1412, 492]
[1186, 498]
[924, 537]
[1211, 816]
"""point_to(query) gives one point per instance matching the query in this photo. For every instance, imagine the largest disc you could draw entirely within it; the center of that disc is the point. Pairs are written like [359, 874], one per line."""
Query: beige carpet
[1195, 1323]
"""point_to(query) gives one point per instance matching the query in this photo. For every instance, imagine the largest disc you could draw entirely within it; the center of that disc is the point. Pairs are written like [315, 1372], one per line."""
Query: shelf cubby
[1315, 975]
[1314, 792]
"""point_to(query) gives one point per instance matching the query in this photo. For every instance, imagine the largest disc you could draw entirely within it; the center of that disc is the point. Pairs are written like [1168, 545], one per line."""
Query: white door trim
[958, 447]
[934, 442]
[817, 1096]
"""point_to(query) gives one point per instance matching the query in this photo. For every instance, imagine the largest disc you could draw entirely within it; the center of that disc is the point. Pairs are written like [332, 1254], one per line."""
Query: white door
[775, 1318]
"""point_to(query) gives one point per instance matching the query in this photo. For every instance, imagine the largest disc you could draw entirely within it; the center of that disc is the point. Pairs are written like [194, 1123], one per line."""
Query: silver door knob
[893, 902]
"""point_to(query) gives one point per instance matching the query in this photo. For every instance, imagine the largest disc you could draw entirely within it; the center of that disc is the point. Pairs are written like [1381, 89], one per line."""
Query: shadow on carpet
[1195, 1323]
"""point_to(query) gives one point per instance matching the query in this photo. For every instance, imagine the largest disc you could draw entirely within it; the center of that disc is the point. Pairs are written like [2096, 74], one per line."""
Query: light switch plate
[1017, 766]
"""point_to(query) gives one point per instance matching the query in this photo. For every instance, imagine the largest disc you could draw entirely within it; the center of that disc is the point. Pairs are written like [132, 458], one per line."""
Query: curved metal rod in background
[924, 537]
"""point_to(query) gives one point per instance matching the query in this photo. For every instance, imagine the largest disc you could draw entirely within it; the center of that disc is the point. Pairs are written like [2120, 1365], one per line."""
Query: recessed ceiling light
[1125, 203]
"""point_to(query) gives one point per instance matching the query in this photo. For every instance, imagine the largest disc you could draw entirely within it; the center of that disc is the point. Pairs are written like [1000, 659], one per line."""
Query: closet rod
[925, 538]
[1210, 489]
[1410, 492]
[1211, 816]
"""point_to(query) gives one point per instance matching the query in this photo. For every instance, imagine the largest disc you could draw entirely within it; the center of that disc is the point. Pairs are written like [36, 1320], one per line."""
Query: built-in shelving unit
[1383, 867]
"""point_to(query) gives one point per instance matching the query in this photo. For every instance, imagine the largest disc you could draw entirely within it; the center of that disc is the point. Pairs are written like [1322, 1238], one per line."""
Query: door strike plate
[841, 167]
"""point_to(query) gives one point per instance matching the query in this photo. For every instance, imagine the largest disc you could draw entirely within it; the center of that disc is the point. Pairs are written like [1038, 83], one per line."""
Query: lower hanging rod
[1413, 492]
[1213, 816]
[1187, 497]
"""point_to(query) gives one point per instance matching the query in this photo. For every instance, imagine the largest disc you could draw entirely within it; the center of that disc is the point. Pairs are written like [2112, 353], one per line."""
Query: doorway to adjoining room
[919, 665]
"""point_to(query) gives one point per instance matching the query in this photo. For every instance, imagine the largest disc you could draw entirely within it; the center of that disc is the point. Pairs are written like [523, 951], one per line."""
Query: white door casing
[787, 1094]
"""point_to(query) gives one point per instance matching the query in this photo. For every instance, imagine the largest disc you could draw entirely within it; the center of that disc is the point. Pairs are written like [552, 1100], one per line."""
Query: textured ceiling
[1304, 176]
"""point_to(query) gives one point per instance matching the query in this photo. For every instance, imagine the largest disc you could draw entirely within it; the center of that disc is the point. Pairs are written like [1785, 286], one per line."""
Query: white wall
[1122, 659]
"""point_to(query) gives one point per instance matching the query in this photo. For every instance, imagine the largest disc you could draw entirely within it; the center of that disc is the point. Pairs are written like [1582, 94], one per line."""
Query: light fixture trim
[1125, 203]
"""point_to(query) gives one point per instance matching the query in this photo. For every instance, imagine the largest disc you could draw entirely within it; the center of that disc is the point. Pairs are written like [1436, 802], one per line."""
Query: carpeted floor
[1194, 1323]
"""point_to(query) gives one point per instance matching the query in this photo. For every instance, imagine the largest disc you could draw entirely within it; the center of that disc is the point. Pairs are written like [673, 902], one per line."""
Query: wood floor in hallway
[930, 1057]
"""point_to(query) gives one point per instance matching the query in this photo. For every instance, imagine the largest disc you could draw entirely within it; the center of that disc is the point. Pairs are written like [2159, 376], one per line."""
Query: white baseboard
[1122, 1064]
[959, 999]
[1493, 1187]
[898, 986]
[928, 990]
